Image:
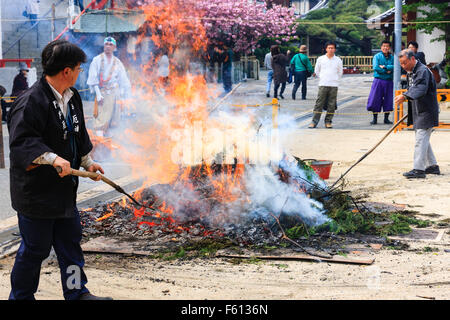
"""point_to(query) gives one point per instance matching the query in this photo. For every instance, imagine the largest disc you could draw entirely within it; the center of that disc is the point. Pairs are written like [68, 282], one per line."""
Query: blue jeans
[79, 3]
[269, 80]
[33, 18]
[38, 237]
[299, 78]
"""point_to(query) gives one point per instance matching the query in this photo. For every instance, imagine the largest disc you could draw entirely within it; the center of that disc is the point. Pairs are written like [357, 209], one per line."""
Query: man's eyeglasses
[79, 68]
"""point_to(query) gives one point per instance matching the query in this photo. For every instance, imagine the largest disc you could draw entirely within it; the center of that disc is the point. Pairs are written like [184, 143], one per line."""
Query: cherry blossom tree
[241, 23]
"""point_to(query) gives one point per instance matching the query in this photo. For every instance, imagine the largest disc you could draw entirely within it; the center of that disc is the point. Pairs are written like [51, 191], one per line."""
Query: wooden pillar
[411, 34]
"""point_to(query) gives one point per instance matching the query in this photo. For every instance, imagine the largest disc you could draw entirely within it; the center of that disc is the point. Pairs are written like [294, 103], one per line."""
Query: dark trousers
[38, 236]
[226, 78]
[79, 3]
[276, 87]
[327, 96]
[4, 109]
[299, 78]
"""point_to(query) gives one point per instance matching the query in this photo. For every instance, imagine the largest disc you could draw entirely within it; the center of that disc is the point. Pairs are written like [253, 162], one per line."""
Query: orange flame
[106, 216]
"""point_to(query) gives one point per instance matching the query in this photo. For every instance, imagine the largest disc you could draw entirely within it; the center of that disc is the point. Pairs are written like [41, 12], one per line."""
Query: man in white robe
[109, 80]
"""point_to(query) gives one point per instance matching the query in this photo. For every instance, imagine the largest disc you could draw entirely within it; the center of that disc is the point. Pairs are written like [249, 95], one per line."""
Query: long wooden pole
[370, 151]
[95, 175]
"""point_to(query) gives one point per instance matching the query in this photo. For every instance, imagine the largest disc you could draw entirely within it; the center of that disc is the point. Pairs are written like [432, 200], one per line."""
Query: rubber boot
[375, 118]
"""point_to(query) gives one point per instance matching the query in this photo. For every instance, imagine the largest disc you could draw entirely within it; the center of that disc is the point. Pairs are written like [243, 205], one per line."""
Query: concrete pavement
[352, 98]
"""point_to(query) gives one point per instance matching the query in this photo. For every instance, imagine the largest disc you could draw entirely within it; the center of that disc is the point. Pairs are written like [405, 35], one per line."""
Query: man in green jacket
[301, 65]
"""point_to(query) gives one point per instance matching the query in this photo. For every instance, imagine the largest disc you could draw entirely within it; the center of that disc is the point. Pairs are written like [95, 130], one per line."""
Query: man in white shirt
[329, 70]
[109, 80]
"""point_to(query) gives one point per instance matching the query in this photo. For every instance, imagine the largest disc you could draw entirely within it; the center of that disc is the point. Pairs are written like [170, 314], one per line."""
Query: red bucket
[322, 168]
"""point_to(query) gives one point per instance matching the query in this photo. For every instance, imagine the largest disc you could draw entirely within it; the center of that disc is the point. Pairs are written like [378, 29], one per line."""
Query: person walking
[289, 55]
[302, 68]
[423, 113]
[108, 79]
[227, 67]
[381, 92]
[32, 8]
[225, 56]
[329, 69]
[279, 61]
[47, 131]
[268, 65]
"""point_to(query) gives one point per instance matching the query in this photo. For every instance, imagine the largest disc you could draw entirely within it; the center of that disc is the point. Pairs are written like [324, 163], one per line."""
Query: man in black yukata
[46, 131]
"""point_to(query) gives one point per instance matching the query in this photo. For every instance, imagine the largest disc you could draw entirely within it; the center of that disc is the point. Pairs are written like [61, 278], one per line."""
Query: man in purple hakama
[381, 93]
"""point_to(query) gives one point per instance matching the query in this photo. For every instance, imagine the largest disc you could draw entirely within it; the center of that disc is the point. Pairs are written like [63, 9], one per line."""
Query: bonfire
[208, 171]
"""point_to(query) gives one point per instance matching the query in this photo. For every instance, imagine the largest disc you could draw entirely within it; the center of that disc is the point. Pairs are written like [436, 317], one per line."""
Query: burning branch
[285, 237]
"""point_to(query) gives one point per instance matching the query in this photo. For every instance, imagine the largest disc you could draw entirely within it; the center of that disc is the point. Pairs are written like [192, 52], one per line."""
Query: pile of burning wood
[214, 201]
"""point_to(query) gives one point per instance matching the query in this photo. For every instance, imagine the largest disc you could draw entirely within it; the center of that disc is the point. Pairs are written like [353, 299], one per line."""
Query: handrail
[4, 61]
[29, 29]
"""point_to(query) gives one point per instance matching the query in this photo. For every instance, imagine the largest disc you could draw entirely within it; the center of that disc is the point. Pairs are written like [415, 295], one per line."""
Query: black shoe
[386, 119]
[415, 174]
[373, 122]
[281, 96]
[433, 169]
[89, 296]
[268, 95]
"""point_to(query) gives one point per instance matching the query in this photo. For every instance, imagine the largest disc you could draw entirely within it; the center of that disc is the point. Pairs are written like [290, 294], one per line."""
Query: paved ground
[419, 273]
[351, 114]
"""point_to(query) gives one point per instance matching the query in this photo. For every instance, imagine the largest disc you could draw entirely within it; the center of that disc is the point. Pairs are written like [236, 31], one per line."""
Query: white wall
[434, 51]
[301, 6]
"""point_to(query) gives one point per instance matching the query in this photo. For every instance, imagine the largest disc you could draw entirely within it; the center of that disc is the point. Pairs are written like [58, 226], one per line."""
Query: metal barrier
[363, 63]
[443, 95]
[246, 68]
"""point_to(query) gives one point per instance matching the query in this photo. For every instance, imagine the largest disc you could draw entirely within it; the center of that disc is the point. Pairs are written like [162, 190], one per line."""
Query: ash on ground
[156, 231]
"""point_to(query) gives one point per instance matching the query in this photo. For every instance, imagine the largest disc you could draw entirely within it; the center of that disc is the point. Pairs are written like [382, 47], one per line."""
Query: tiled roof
[383, 15]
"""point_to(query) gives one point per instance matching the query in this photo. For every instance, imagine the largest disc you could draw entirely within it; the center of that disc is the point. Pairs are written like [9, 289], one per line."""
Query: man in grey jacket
[423, 113]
